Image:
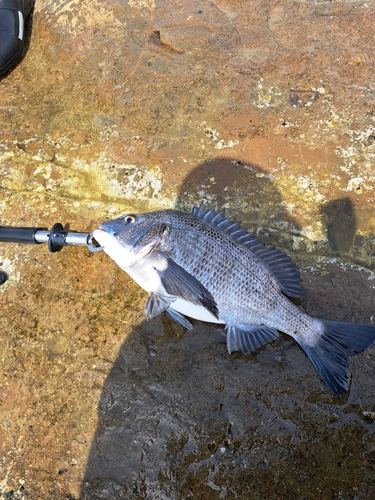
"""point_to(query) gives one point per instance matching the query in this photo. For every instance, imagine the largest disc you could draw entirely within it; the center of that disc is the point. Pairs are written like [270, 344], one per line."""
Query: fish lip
[112, 233]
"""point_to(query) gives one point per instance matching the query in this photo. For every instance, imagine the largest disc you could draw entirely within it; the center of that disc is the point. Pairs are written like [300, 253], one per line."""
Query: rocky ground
[266, 108]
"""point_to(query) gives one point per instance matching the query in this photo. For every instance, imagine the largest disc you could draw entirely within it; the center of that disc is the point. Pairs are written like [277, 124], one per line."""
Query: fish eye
[130, 219]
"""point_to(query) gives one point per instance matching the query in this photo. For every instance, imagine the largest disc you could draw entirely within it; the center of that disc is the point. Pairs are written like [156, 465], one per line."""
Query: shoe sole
[13, 14]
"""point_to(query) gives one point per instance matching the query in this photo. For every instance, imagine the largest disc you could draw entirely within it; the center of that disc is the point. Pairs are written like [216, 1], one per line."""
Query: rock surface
[265, 108]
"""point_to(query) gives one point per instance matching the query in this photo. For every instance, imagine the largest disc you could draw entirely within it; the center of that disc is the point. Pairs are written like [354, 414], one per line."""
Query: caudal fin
[330, 354]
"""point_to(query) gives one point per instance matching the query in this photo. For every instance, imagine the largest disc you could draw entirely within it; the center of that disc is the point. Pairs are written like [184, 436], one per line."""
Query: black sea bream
[205, 266]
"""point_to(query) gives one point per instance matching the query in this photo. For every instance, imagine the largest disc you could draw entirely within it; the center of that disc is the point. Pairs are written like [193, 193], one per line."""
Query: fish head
[130, 238]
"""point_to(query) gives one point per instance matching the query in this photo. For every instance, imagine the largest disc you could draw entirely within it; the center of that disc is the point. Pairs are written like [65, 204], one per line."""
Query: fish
[205, 266]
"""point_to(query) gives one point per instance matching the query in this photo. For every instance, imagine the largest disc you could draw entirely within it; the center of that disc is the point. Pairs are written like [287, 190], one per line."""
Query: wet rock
[303, 99]
[266, 110]
[57, 346]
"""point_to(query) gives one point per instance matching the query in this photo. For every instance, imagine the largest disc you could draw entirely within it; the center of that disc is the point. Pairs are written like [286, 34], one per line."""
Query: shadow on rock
[179, 418]
[245, 189]
[343, 239]
[341, 224]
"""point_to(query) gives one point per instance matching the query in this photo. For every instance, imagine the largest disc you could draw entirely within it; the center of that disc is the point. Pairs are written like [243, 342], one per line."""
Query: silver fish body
[205, 266]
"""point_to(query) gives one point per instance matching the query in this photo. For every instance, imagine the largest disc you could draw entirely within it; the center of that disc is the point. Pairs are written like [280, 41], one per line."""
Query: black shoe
[13, 14]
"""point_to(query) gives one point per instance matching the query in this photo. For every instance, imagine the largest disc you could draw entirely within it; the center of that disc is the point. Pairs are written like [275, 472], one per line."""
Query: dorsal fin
[281, 265]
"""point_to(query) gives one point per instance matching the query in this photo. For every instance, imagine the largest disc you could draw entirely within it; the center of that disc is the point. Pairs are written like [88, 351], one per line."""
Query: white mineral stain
[142, 4]
[222, 144]
[213, 135]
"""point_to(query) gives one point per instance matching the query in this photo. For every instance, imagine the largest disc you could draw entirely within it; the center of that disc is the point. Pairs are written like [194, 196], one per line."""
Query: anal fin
[248, 338]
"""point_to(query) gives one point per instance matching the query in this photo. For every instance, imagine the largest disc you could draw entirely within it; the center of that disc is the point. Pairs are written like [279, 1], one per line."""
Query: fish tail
[329, 353]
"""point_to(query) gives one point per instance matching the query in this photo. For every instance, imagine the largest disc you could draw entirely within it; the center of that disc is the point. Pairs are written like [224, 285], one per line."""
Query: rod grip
[18, 235]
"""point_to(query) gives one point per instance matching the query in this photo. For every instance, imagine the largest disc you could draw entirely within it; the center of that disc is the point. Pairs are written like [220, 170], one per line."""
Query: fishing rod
[57, 237]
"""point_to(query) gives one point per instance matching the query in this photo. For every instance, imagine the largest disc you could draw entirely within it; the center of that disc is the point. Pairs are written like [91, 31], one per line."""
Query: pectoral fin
[247, 338]
[180, 283]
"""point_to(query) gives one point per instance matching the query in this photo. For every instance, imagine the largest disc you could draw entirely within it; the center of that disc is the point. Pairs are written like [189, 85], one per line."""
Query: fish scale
[205, 266]
[238, 294]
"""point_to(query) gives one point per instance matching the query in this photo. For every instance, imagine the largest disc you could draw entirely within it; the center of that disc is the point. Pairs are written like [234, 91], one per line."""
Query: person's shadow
[180, 418]
[245, 190]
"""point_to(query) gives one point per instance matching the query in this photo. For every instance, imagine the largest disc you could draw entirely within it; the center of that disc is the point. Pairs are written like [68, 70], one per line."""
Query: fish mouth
[113, 228]
[92, 244]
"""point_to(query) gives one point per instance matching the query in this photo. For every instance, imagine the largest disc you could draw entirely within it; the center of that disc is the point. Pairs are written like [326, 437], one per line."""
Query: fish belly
[194, 311]
[153, 285]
